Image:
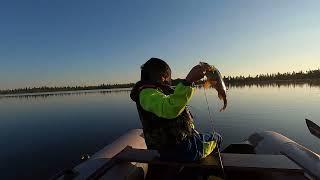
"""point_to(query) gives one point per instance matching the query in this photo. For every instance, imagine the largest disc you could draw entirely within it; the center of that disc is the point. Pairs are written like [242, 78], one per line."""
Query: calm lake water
[43, 134]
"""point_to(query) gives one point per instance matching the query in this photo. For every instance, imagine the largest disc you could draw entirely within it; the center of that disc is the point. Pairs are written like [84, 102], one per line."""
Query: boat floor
[192, 173]
[243, 166]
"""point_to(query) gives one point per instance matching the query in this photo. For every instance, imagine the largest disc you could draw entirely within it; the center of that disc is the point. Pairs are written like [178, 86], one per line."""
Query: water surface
[44, 133]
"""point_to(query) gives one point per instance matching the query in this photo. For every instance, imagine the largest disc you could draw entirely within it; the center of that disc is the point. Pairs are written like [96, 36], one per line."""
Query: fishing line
[211, 119]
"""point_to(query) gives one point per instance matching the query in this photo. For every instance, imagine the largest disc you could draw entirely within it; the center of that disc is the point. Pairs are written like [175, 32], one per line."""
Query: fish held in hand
[215, 80]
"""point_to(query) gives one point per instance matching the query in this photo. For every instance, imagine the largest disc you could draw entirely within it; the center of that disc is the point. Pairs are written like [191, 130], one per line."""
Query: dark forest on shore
[311, 77]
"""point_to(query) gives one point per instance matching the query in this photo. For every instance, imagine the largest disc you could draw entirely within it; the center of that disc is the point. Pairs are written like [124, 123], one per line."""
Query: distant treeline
[45, 95]
[307, 77]
[311, 77]
[66, 88]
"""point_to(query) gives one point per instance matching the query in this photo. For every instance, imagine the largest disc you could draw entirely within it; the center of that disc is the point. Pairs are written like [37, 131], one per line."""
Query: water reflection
[114, 91]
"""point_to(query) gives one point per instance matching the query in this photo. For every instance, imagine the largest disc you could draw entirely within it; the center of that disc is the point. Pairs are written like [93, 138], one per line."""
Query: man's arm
[166, 106]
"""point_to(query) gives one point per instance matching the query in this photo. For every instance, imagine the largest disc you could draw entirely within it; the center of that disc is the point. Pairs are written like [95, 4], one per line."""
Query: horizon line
[128, 83]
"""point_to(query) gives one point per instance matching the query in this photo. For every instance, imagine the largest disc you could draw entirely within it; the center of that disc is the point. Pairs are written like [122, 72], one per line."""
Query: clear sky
[77, 42]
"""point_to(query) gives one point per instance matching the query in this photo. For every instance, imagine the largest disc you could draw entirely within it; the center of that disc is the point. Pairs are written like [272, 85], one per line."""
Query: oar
[313, 128]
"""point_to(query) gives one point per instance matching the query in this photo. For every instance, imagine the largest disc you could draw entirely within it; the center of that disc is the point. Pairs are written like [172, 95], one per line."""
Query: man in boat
[167, 123]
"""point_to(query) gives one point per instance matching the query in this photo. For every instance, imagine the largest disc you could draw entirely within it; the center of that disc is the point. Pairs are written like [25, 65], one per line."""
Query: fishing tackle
[215, 80]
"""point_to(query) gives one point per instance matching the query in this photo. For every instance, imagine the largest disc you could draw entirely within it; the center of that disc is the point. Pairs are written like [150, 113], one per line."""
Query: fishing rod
[218, 149]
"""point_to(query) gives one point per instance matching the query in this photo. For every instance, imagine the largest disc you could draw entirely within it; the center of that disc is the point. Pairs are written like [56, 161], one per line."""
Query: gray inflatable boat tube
[267, 142]
[128, 171]
[270, 142]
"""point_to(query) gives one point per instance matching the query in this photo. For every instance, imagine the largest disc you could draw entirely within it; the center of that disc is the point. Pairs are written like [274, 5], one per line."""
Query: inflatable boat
[268, 155]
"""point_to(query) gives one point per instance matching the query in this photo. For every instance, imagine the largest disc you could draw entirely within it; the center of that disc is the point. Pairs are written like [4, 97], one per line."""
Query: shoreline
[121, 87]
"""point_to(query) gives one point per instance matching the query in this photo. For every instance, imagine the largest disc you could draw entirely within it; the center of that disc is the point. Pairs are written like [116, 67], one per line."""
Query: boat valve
[85, 157]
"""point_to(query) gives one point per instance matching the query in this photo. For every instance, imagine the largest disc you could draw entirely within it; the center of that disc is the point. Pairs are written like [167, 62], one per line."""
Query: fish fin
[207, 84]
[222, 109]
[210, 83]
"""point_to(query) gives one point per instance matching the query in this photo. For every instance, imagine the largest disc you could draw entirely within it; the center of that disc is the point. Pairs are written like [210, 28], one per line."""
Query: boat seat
[235, 165]
[231, 162]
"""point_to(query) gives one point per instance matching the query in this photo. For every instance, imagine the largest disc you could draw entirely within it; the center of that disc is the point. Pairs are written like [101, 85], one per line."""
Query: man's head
[156, 70]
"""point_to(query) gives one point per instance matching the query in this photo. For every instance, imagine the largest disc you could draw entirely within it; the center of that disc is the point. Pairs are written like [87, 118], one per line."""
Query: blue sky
[77, 42]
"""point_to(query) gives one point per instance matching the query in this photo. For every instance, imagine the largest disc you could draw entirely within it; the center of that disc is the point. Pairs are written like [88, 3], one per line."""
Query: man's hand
[197, 72]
